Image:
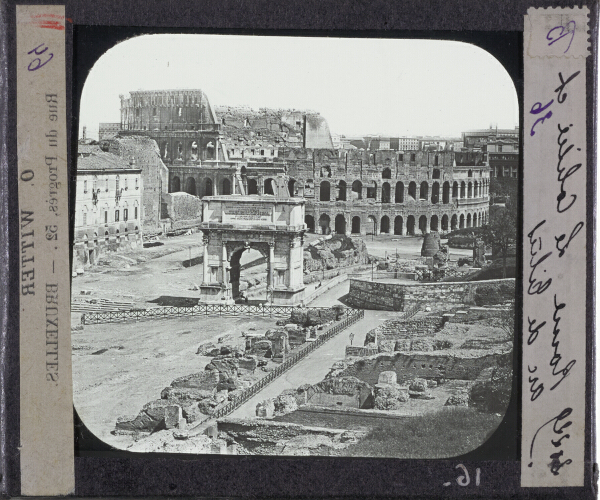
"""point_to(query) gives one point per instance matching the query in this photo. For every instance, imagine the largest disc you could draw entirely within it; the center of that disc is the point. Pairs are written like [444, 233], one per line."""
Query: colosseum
[236, 150]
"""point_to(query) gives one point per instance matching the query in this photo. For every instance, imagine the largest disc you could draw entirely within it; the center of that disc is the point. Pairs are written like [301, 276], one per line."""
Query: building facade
[108, 202]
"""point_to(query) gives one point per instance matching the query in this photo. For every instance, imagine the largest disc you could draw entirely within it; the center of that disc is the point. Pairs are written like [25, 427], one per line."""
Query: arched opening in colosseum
[436, 172]
[164, 150]
[461, 223]
[357, 190]
[252, 186]
[309, 220]
[470, 191]
[454, 222]
[175, 185]
[372, 191]
[434, 224]
[385, 224]
[435, 192]
[398, 225]
[292, 187]
[412, 190]
[476, 190]
[455, 190]
[340, 224]
[399, 198]
[423, 224]
[446, 192]
[424, 191]
[410, 225]
[225, 187]
[269, 186]
[324, 191]
[341, 191]
[356, 224]
[468, 220]
[444, 223]
[386, 174]
[463, 190]
[194, 151]
[474, 220]
[372, 225]
[309, 188]
[324, 222]
[385, 193]
[190, 186]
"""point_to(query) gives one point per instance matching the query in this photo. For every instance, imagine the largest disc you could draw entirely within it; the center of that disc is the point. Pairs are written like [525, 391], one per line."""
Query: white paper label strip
[554, 248]
[46, 395]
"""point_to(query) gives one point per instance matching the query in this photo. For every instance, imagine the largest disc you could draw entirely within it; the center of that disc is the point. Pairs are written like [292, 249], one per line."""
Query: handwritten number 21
[37, 62]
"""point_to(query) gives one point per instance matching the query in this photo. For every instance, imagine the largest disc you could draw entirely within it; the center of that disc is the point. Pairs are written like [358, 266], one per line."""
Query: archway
[324, 222]
[340, 224]
[292, 187]
[341, 196]
[446, 193]
[175, 185]
[385, 193]
[190, 186]
[357, 190]
[423, 224]
[385, 224]
[455, 190]
[475, 220]
[475, 190]
[399, 198]
[252, 186]
[208, 187]
[463, 190]
[424, 191]
[386, 174]
[226, 187]
[372, 225]
[269, 186]
[324, 191]
[470, 191]
[356, 224]
[249, 263]
[410, 225]
[461, 223]
[454, 222]
[309, 220]
[436, 171]
[433, 225]
[435, 193]
[444, 222]
[398, 225]
[412, 190]
[372, 190]
[468, 220]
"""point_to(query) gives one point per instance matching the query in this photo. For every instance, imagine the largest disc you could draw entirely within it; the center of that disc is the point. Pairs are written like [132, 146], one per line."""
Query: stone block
[173, 415]
[387, 377]
[265, 408]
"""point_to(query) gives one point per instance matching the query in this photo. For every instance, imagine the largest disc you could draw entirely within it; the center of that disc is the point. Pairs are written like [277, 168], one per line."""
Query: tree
[501, 232]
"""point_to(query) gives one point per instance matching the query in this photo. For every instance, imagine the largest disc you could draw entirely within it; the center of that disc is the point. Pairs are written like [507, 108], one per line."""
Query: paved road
[316, 365]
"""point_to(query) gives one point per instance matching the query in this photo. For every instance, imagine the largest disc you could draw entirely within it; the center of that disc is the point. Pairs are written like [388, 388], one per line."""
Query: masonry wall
[386, 296]
[431, 366]
[182, 206]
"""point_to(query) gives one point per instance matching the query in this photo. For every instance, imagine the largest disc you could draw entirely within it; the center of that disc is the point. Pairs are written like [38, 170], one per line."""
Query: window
[85, 218]
[125, 214]
[125, 183]
[499, 149]
[135, 213]
[106, 217]
[85, 186]
[117, 184]
[106, 185]
[137, 183]
[401, 157]
[116, 216]
[412, 157]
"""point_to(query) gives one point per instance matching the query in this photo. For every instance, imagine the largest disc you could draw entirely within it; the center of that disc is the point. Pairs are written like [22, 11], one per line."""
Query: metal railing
[352, 317]
[270, 311]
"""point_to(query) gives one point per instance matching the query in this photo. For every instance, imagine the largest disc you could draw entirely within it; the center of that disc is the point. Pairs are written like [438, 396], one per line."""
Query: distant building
[503, 158]
[108, 205]
[108, 130]
[477, 140]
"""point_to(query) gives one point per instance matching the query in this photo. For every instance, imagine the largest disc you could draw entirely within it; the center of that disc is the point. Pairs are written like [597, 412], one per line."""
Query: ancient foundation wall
[395, 297]
[432, 366]
[183, 206]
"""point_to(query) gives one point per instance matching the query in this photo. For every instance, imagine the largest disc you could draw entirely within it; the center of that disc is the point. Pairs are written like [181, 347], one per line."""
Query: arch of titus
[273, 226]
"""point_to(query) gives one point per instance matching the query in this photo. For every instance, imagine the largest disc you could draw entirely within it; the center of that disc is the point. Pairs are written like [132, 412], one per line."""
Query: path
[313, 368]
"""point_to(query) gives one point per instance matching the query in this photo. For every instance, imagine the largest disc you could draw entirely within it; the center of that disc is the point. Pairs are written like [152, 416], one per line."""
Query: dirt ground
[135, 361]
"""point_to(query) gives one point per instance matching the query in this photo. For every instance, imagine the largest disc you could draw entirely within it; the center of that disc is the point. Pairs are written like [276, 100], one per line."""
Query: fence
[270, 311]
[352, 317]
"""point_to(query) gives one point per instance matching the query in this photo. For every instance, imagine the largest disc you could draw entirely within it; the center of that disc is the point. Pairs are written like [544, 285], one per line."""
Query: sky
[360, 86]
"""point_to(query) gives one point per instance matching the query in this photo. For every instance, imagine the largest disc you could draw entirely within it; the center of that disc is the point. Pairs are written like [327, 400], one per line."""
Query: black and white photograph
[295, 246]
